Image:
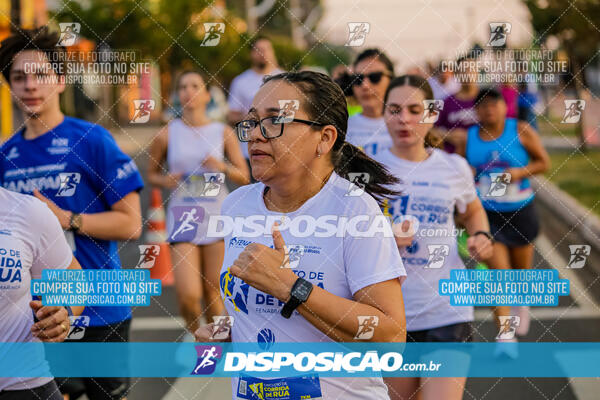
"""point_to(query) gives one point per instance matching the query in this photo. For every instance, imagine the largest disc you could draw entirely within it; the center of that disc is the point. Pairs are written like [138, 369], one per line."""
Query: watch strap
[72, 226]
[484, 233]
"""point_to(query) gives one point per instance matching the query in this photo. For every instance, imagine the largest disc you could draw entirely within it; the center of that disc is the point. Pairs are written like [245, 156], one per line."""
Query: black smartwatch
[298, 295]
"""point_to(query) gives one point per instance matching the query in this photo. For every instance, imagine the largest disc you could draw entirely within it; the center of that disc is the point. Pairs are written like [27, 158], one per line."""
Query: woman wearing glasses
[194, 148]
[373, 71]
[330, 280]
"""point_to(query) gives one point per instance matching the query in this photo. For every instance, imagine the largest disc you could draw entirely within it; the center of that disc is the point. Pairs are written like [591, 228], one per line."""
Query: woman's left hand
[264, 268]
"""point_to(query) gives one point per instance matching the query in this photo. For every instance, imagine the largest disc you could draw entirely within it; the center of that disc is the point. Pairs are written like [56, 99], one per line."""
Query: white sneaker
[507, 347]
[523, 313]
[182, 354]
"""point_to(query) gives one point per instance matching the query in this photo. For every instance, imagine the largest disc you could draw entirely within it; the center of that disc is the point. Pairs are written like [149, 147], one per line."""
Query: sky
[413, 31]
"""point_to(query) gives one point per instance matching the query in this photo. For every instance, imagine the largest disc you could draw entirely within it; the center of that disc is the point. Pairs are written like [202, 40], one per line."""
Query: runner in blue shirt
[78, 170]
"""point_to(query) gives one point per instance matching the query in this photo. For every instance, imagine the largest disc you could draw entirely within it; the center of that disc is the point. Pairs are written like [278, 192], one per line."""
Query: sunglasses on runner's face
[373, 77]
[270, 127]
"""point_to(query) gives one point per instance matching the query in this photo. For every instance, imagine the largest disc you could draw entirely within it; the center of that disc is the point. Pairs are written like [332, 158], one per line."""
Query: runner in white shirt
[434, 183]
[345, 276]
[194, 149]
[244, 86]
[24, 252]
[373, 71]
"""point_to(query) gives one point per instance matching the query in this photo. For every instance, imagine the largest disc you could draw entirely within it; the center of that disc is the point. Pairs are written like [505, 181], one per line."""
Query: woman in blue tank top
[504, 153]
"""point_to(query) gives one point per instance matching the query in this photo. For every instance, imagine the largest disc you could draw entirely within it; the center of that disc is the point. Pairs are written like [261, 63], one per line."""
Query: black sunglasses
[270, 127]
[373, 77]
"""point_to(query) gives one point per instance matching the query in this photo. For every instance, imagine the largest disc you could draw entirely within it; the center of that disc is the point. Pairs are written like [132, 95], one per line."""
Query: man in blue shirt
[78, 170]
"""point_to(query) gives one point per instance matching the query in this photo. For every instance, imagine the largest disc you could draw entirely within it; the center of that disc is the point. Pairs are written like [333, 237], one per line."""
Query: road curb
[569, 210]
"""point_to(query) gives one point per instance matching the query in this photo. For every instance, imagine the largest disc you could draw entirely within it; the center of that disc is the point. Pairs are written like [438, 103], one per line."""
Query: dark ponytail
[418, 82]
[325, 103]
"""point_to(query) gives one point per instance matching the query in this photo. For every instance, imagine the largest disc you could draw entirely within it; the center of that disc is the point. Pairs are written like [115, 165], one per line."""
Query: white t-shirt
[242, 91]
[370, 134]
[341, 265]
[431, 190]
[31, 240]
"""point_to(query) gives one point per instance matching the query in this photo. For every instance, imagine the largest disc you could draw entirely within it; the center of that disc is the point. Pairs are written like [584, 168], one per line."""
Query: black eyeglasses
[373, 77]
[270, 127]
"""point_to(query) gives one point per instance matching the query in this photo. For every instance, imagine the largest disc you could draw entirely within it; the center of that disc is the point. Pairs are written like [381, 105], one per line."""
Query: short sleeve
[235, 101]
[370, 260]
[117, 174]
[466, 192]
[50, 247]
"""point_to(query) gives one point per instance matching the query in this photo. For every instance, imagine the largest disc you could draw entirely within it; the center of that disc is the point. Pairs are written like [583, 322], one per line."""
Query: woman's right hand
[171, 181]
[205, 334]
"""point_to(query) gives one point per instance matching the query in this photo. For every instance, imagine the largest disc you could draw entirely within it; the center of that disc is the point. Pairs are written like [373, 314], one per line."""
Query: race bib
[295, 388]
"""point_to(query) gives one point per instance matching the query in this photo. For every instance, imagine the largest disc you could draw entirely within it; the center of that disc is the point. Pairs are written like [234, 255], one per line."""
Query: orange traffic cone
[157, 235]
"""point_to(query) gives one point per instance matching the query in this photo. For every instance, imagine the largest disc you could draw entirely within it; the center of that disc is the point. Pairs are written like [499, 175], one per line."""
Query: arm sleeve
[466, 192]
[374, 259]
[50, 248]
[117, 174]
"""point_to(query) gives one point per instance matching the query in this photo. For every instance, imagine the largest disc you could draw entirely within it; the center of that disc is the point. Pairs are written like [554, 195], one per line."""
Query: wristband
[484, 233]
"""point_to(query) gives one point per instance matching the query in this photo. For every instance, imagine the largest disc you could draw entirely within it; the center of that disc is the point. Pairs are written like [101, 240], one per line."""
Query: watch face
[303, 290]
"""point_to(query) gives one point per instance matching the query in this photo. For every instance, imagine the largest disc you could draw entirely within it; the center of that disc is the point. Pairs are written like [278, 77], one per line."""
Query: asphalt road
[577, 318]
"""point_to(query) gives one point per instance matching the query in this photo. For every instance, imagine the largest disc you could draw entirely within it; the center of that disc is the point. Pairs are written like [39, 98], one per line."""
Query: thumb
[35, 305]
[278, 242]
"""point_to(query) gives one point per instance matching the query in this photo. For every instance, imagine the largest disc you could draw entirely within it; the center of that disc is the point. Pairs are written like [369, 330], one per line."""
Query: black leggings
[49, 391]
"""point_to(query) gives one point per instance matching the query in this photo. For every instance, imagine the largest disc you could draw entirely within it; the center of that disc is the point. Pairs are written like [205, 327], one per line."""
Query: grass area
[579, 175]
[553, 127]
